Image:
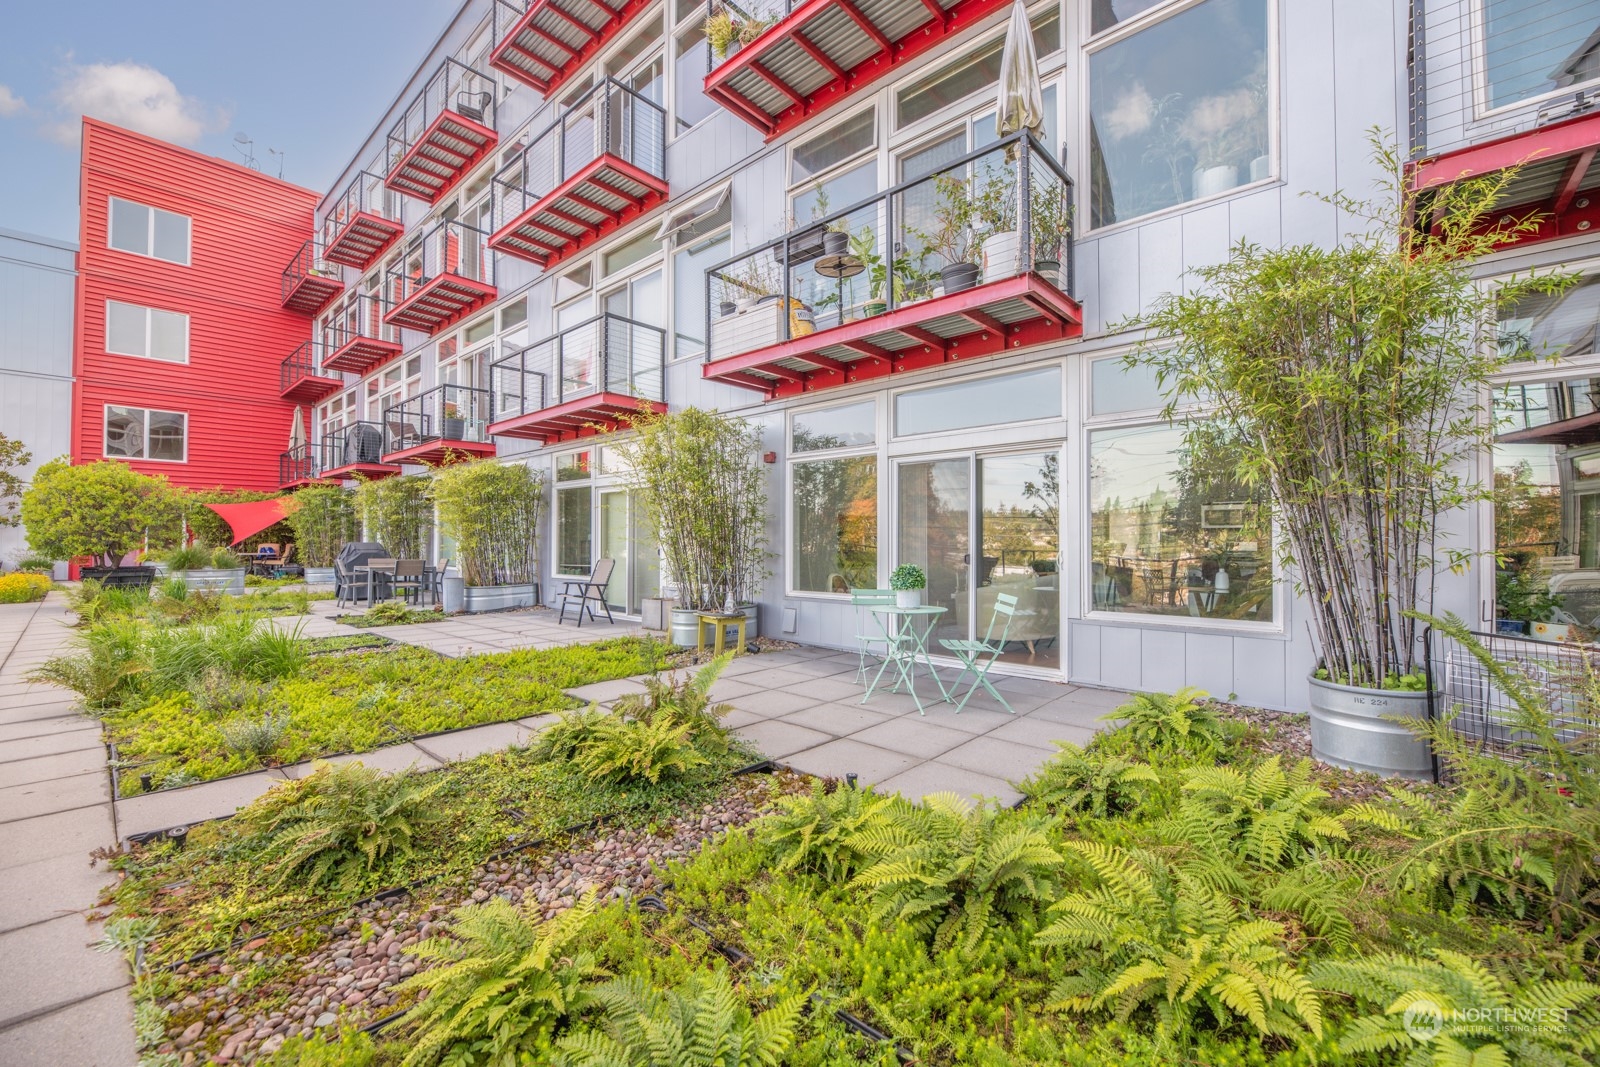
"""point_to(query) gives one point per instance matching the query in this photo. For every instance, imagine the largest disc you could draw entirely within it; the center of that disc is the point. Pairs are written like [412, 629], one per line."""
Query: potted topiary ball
[908, 582]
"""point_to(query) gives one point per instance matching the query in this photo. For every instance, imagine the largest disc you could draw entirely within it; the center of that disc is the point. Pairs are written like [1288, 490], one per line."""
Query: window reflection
[835, 524]
[1536, 48]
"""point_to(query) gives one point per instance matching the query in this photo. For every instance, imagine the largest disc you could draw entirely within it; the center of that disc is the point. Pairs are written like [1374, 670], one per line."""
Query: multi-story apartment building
[36, 285]
[574, 208]
[181, 324]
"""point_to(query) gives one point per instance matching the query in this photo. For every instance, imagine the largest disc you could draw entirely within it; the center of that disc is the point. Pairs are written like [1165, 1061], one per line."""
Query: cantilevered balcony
[301, 377]
[542, 43]
[821, 51]
[1517, 106]
[310, 280]
[445, 273]
[973, 260]
[444, 132]
[301, 465]
[442, 425]
[362, 223]
[598, 167]
[584, 380]
[358, 339]
[356, 449]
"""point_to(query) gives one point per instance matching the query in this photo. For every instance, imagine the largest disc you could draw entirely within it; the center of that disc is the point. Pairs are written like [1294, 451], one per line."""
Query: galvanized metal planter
[319, 576]
[1356, 728]
[499, 597]
[214, 579]
[685, 626]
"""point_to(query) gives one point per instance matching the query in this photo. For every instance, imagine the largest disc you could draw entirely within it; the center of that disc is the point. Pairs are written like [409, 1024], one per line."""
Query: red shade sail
[251, 518]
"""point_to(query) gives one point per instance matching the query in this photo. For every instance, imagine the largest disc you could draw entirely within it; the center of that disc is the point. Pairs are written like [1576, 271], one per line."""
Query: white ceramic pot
[908, 598]
[1000, 255]
[1209, 181]
[1260, 168]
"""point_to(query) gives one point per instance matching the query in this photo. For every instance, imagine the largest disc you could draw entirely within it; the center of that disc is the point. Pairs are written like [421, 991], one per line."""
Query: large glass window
[689, 292]
[977, 71]
[1561, 325]
[1172, 534]
[150, 333]
[833, 146]
[689, 101]
[822, 183]
[850, 426]
[835, 505]
[1009, 398]
[139, 433]
[574, 513]
[1533, 47]
[1114, 387]
[1178, 110]
[149, 231]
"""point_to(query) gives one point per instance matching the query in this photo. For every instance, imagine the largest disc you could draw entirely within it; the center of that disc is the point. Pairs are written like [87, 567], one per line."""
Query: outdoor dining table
[907, 645]
[372, 573]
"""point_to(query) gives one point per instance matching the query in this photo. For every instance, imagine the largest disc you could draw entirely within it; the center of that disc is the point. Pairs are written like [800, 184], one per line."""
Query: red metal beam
[567, 216]
[1568, 188]
[935, 10]
[1547, 142]
[599, 209]
[787, 374]
[981, 318]
[776, 82]
[822, 58]
[551, 38]
[885, 45]
[867, 348]
[826, 362]
[926, 337]
[576, 23]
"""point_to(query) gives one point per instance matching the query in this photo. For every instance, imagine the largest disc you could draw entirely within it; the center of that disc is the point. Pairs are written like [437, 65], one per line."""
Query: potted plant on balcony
[703, 491]
[728, 31]
[908, 581]
[492, 512]
[104, 509]
[1351, 384]
[323, 519]
[994, 214]
[954, 239]
[454, 426]
[1050, 225]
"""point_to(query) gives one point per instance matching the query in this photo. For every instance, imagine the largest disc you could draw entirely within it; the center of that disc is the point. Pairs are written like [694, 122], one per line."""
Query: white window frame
[875, 153]
[674, 31]
[150, 232]
[1477, 13]
[1082, 173]
[877, 450]
[149, 333]
[105, 420]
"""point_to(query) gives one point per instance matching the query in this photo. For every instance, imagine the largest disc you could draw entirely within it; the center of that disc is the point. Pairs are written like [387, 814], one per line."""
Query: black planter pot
[120, 577]
[959, 277]
[835, 244]
[726, 308]
[455, 429]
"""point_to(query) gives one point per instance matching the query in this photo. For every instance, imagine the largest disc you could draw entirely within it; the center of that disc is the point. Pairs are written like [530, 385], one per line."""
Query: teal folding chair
[978, 656]
[869, 630]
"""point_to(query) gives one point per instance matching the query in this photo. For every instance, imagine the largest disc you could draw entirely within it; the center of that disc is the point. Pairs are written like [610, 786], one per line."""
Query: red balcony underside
[441, 156]
[439, 302]
[441, 452]
[311, 291]
[362, 239]
[584, 417]
[825, 50]
[361, 354]
[364, 470]
[605, 195]
[302, 483]
[1556, 184]
[557, 37]
[309, 388]
[1002, 316]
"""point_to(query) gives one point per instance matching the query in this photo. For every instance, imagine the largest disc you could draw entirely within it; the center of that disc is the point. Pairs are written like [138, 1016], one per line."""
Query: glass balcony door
[624, 538]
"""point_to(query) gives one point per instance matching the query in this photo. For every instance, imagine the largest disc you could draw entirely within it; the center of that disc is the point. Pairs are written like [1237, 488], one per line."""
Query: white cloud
[1132, 113]
[134, 96]
[10, 103]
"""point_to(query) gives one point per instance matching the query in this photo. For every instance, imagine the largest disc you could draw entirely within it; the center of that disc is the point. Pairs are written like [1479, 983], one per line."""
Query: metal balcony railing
[1481, 70]
[608, 120]
[350, 219]
[454, 87]
[443, 413]
[995, 213]
[309, 265]
[303, 463]
[450, 248]
[304, 362]
[356, 318]
[359, 443]
[605, 354]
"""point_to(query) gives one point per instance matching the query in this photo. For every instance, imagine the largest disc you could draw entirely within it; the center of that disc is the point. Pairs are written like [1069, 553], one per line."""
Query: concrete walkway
[61, 1001]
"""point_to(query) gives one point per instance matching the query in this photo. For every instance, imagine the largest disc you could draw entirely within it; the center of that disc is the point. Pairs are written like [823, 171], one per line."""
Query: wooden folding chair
[978, 656]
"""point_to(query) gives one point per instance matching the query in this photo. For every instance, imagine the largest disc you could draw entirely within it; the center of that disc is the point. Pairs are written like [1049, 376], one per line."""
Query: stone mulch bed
[1289, 736]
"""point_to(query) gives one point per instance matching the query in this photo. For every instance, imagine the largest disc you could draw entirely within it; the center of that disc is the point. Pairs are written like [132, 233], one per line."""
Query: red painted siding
[244, 228]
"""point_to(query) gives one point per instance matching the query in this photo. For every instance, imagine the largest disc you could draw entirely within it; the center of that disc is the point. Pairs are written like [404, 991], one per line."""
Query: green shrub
[188, 558]
[352, 1048]
[338, 822]
[1267, 815]
[1095, 783]
[393, 613]
[621, 749]
[255, 738]
[323, 518]
[104, 509]
[492, 512]
[817, 831]
[686, 701]
[107, 667]
[953, 870]
[93, 602]
[701, 1024]
[23, 588]
[223, 558]
[1179, 723]
[499, 988]
[36, 565]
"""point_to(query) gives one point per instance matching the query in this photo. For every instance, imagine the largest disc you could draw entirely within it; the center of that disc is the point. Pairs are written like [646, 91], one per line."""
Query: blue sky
[196, 72]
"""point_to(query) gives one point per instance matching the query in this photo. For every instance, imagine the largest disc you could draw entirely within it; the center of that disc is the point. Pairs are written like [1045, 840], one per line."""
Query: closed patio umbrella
[1020, 106]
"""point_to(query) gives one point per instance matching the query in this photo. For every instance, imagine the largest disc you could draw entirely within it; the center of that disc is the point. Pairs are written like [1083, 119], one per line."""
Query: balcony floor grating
[583, 417]
[444, 153]
[363, 239]
[602, 197]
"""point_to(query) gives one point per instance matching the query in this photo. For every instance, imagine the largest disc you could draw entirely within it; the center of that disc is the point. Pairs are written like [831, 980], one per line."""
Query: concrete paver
[18, 802]
[465, 744]
[937, 777]
[97, 1032]
[164, 808]
[846, 755]
[73, 832]
[390, 758]
[48, 889]
[49, 768]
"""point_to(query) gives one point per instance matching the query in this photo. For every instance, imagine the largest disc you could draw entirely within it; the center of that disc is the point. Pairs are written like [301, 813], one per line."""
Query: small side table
[719, 624]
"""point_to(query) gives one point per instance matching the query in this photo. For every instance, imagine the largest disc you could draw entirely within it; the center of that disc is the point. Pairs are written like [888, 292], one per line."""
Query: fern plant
[501, 987]
[1151, 934]
[1176, 724]
[687, 701]
[339, 822]
[632, 749]
[563, 739]
[1454, 1010]
[816, 831]
[1266, 815]
[701, 1024]
[953, 870]
[1076, 782]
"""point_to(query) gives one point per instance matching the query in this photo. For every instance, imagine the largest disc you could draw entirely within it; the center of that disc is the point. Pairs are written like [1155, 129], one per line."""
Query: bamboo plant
[697, 479]
[323, 518]
[1352, 383]
[398, 512]
[492, 513]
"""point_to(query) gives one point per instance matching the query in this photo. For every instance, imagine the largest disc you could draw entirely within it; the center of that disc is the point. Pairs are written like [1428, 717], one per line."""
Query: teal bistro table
[906, 632]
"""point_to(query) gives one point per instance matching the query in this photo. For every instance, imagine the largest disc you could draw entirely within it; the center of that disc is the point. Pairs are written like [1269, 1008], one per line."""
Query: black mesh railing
[302, 463]
[1482, 71]
[443, 413]
[450, 247]
[453, 87]
[358, 442]
[990, 215]
[605, 354]
[609, 119]
[308, 262]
